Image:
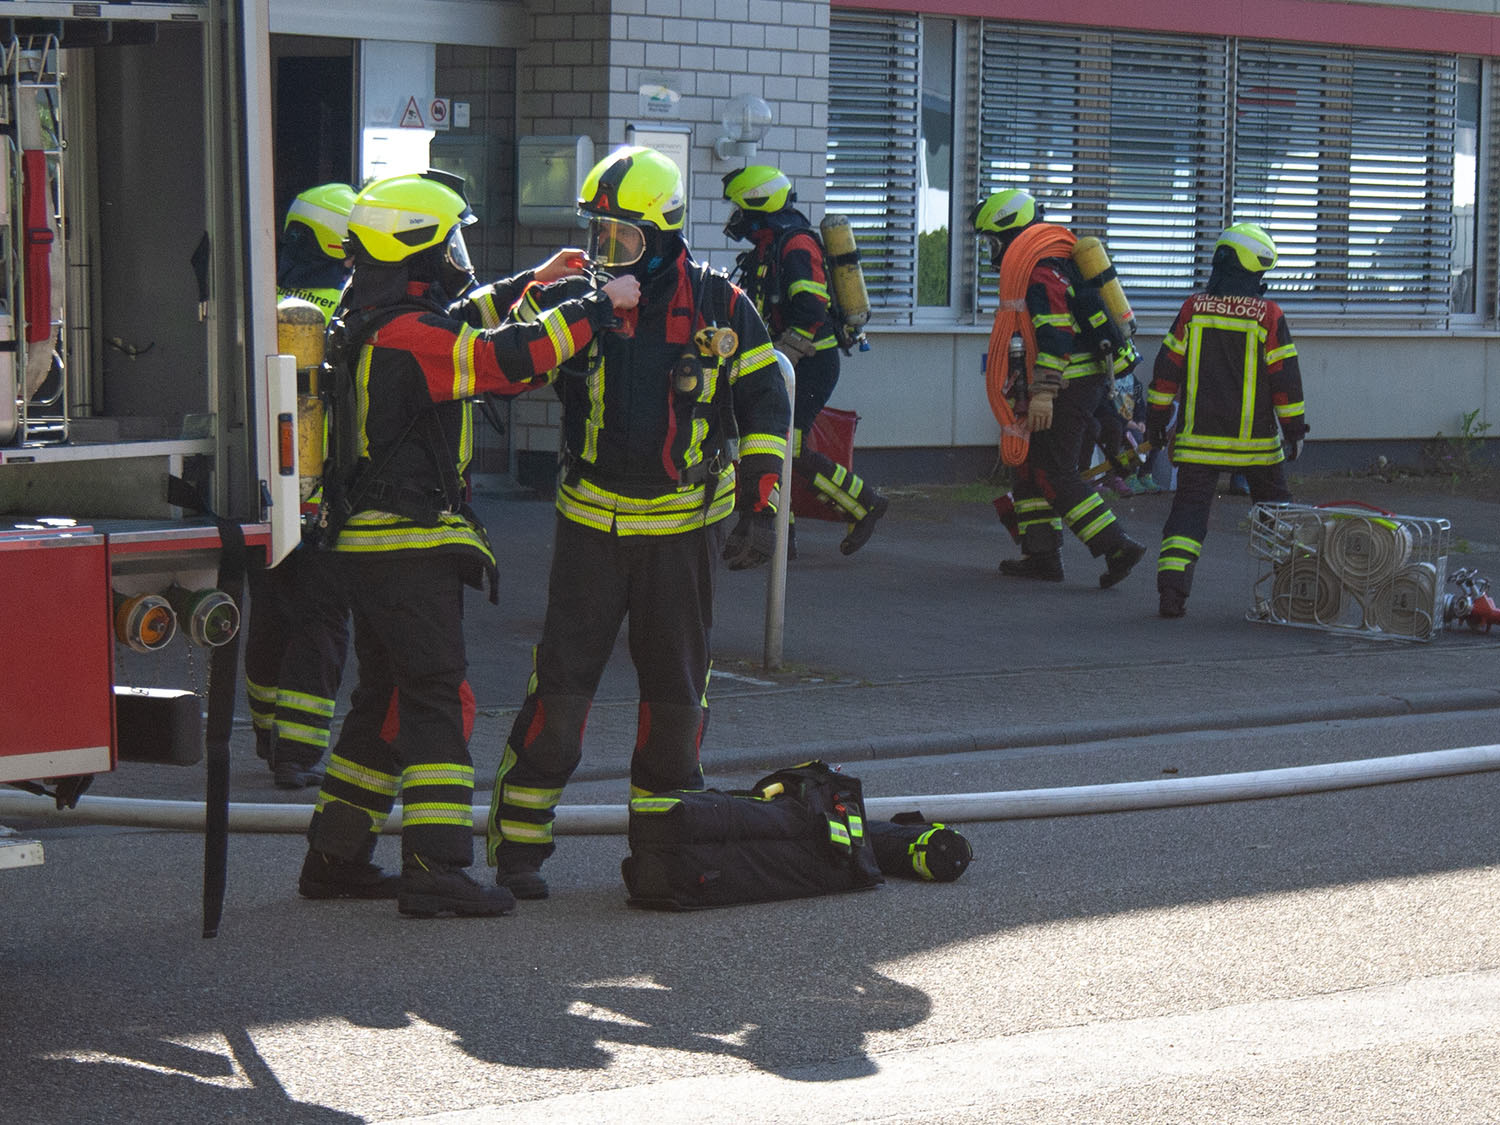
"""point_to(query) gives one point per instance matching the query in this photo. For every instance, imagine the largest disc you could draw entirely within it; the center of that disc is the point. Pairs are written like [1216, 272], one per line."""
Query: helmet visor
[456, 252]
[615, 243]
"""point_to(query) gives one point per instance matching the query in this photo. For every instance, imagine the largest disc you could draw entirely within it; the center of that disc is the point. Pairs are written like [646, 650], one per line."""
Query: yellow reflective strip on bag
[654, 804]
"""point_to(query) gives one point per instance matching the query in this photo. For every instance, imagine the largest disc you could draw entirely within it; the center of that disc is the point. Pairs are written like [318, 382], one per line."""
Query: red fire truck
[147, 423]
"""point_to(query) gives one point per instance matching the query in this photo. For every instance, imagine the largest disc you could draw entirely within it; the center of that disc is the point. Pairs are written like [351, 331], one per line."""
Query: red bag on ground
[832, 435]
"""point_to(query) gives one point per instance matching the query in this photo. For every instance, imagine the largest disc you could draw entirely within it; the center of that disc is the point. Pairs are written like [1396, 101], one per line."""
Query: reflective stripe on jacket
[643, 457]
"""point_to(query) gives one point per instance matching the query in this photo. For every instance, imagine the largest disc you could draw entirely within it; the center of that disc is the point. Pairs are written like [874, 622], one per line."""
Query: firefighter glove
[752, 541]
[794, 345]
[1156, 432]
[1039, 409]
[1292, 433]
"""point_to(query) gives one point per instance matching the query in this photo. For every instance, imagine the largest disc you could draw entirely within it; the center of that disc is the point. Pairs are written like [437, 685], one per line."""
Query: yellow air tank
[300, 333]
[1093, 262]
[844, 272]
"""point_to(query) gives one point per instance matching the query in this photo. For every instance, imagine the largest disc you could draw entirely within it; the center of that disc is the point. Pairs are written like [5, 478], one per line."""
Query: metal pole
[776, 581]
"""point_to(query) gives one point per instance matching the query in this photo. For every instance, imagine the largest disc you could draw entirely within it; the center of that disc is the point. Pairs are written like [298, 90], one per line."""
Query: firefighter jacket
[784, 275]
[1231, 361]
[653, 426]
[319, 280]
[414, 380]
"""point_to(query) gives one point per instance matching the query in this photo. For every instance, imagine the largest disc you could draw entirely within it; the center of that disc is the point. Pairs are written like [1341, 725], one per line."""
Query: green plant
[1460, 457]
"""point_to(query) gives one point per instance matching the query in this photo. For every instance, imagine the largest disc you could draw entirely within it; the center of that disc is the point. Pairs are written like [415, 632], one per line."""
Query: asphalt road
[1324, 957]
[1320, 957]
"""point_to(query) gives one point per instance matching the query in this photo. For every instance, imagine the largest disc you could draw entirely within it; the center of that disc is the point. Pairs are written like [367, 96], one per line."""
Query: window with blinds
[1346, 158]
[1121, 136]
[1155, 143]
[873, 105]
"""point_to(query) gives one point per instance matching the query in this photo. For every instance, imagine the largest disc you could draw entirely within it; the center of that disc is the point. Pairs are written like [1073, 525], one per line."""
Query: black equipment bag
[797, 832]
[910, 847]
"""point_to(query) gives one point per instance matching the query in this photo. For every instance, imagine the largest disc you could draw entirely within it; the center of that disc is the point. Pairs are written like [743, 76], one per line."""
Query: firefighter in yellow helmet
[297, 635]
[666, 436]
[784, 274]
[1230, 368]
[310, 262]
[1069, 377]
[421, 341]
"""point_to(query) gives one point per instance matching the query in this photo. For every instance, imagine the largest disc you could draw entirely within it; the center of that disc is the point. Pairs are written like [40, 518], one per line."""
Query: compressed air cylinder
[844, 272]
[1093, 262]
[300, 327]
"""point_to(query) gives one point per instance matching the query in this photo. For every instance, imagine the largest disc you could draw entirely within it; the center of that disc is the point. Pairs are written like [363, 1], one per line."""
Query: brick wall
[582, 74]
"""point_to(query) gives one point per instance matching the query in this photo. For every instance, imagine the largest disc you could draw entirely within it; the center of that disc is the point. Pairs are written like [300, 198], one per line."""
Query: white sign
[438, 113]
[460, 115]
[658, 99]
[411, 116]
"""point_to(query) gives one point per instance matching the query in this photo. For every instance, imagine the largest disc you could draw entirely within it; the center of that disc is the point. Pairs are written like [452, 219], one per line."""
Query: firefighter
[664, 438]
[297, 636]
[420, 345]
[783, 273]
[1230, 362]
[1069, 378]
[311, 263]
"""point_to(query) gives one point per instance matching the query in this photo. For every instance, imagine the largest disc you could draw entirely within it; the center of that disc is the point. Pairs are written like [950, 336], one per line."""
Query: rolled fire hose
[953, 808]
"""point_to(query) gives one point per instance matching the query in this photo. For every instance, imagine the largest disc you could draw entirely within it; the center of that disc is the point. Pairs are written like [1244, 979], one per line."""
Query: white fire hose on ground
[951, 808]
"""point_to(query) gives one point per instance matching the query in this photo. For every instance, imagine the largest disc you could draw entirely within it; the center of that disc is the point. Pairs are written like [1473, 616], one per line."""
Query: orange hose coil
[1038, 241]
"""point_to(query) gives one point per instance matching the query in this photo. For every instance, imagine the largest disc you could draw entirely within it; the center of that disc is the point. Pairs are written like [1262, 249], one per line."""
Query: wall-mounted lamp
[746, 119]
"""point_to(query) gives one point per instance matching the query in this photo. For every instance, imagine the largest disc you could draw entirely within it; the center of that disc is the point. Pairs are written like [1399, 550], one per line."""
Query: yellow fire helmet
[324, 210]
[1251, 245]
[759, 187]
[400, 216]
[1005, 212]
[637, 185]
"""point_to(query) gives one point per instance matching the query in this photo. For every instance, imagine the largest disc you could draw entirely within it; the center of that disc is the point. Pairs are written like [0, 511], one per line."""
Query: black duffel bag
[796, 832]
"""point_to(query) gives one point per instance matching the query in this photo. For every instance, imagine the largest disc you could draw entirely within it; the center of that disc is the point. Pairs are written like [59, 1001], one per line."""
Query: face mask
[458, 271]
[615, 243]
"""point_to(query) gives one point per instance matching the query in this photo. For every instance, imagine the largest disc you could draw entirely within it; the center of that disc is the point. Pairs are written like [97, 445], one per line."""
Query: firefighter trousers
[297, 641]
[1187, 523]
[406, 732]
[1049, 479]
[663, 586]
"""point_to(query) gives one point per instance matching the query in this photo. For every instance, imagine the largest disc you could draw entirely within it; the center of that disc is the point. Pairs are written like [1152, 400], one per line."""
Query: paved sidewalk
[916, 645]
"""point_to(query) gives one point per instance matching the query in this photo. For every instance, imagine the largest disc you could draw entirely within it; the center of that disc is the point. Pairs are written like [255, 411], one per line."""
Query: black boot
[864, 527]
[523, 882]
[1046, 566]
[1121, 561]
[325, 876]
[430, 888]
